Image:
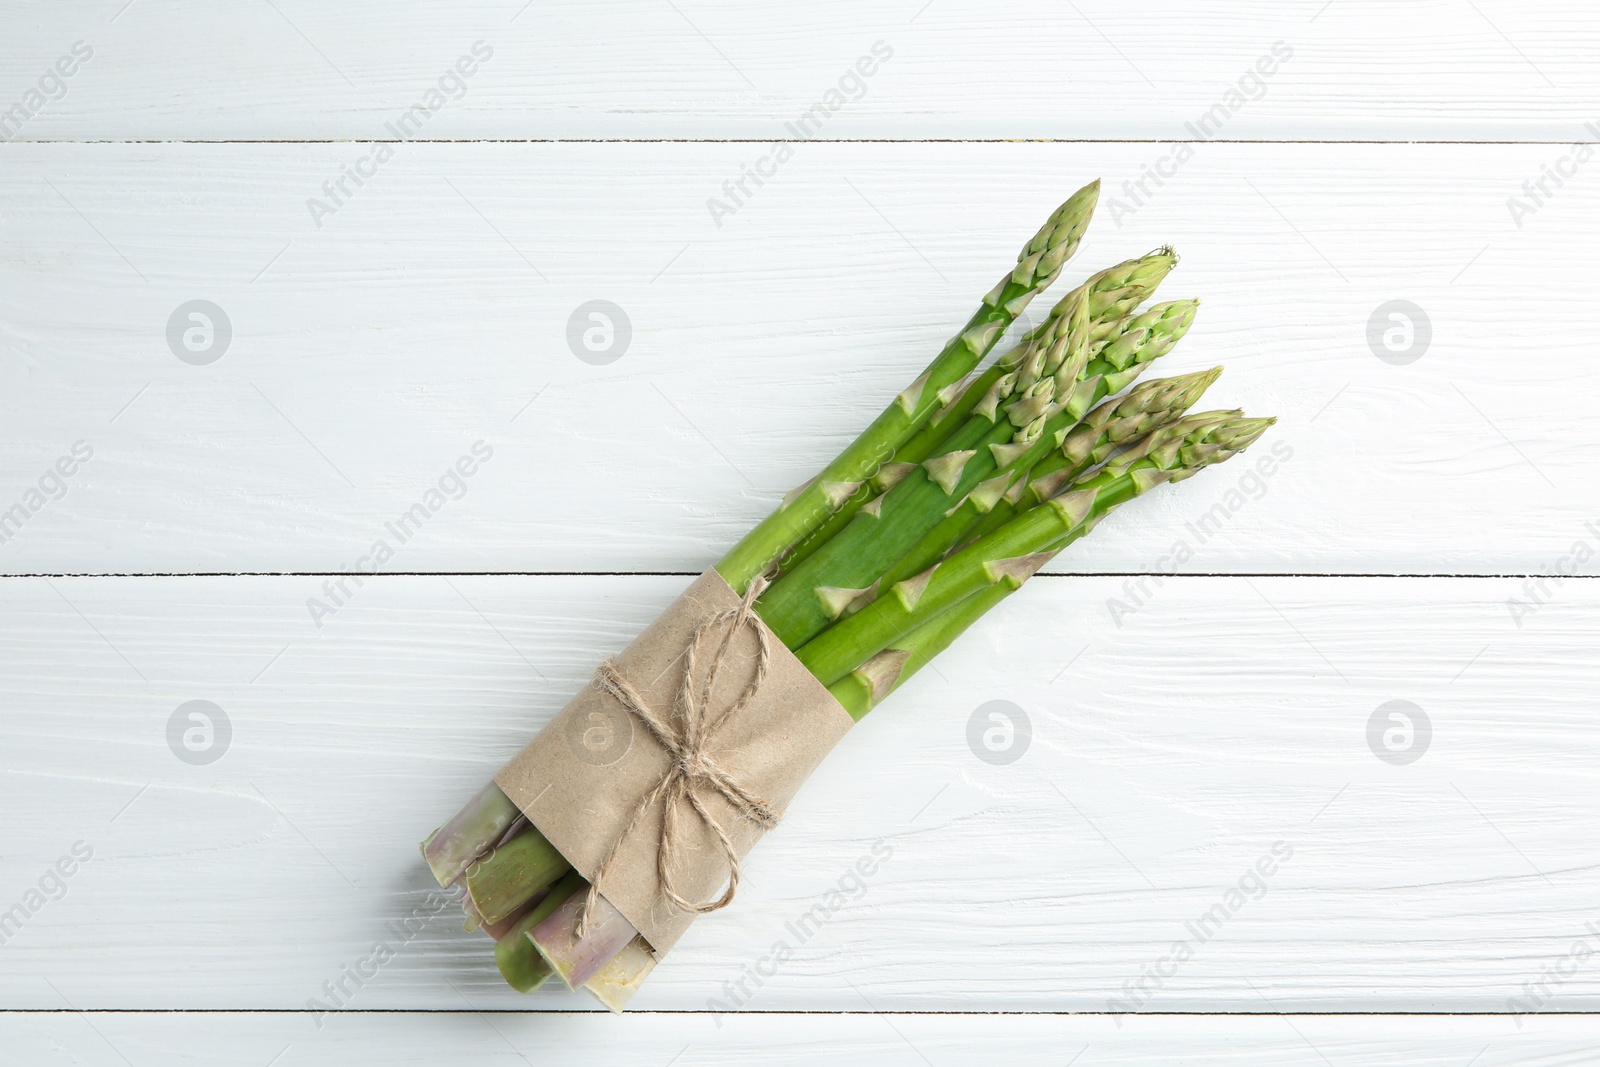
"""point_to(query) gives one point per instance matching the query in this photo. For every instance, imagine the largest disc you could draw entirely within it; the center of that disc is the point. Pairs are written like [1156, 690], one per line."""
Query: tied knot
[690, 770]
[695, 765]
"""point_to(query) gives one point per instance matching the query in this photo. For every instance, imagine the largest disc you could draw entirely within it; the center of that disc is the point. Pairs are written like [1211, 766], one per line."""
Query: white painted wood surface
[1168, 755]
[1173, 745]
[293, 69]
[506, 1039]
[431, 311]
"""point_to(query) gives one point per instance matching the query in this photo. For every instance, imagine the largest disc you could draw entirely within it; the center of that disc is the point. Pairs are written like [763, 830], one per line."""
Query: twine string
[690, 771]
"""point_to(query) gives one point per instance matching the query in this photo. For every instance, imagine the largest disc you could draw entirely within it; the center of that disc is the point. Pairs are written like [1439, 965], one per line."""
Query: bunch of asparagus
[959, 492]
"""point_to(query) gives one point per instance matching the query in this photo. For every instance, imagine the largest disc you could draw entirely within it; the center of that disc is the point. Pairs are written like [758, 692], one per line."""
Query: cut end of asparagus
[619, 980]
[506, 879]
[577, 960]
[470, 833]
[520, 963]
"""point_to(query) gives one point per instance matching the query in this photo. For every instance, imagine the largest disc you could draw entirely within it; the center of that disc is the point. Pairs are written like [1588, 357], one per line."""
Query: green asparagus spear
[865, 687]
[808, 507]
[508, 877]
[1113, 294]
[1011, 417]
[520, 963]
[1014, 552]
[1114, 422]
[807, 598]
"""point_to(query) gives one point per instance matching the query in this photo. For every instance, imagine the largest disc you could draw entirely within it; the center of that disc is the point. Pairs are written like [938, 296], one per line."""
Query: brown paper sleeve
[581, 778]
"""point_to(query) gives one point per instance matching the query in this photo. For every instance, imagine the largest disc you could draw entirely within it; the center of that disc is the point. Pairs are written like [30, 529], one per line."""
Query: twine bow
[690, 770]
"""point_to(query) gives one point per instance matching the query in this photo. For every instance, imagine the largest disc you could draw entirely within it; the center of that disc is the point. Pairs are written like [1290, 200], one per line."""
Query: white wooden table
[1438, 906]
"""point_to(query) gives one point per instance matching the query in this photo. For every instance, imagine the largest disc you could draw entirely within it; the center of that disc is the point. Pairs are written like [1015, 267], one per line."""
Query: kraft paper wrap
[582, 778]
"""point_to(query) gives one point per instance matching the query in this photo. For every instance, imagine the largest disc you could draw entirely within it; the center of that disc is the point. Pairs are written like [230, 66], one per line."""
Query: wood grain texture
[504, 1040]
[1182, 727]
[1168, 757]
[431, 311]
[960, 68]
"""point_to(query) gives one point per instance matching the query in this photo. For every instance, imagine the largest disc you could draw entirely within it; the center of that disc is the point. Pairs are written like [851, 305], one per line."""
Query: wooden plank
[431, 311]
[250, 1040]
[1168, 759]
[957, 68]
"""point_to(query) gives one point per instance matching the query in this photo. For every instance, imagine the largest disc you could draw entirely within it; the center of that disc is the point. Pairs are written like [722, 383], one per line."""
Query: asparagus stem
[498, 930]
[471, 832]
[804, 601]
[1061, 385]
[830, 527]
[1113, 293]
[520, 963]
[808, 507]
[1052, 471]
[865, 687]
[574, 960]
[508, 877]
[616, 983]
[1114, 422]
[1018, 549]
[1018, 460]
